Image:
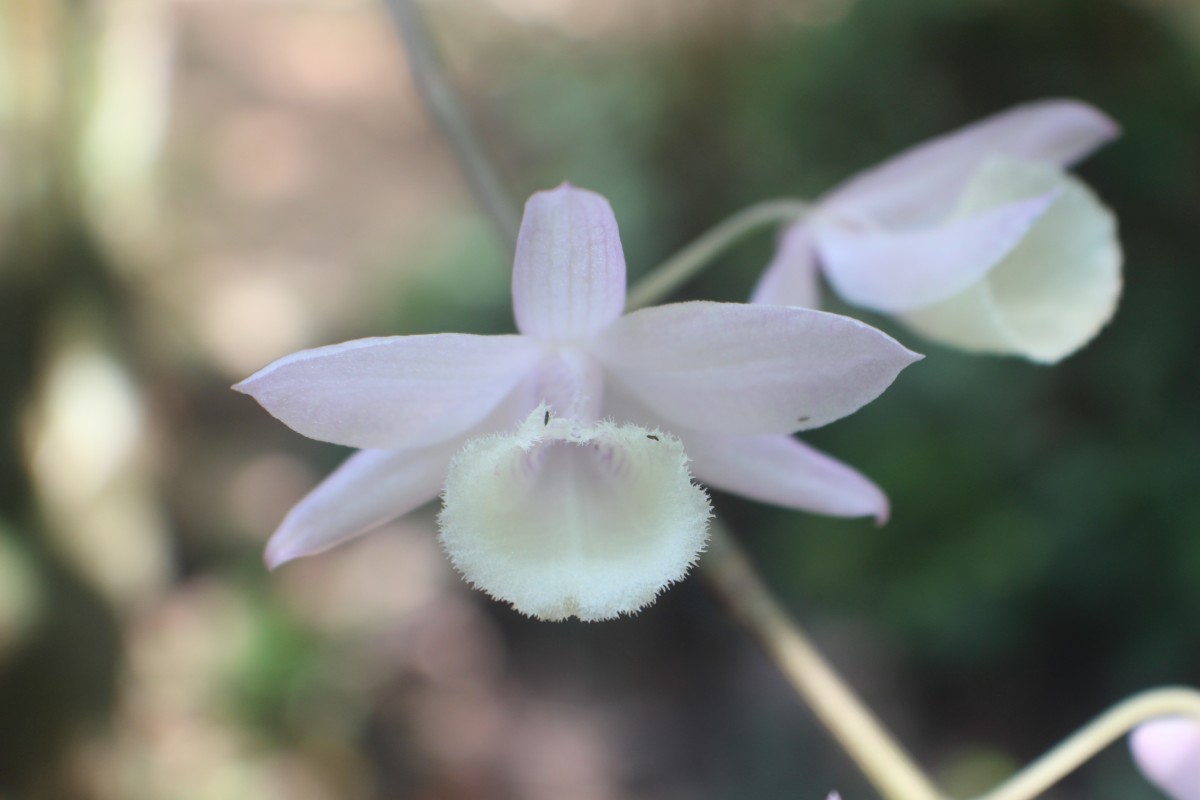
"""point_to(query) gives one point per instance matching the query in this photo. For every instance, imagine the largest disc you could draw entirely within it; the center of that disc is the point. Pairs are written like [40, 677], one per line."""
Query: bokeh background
[190, 189]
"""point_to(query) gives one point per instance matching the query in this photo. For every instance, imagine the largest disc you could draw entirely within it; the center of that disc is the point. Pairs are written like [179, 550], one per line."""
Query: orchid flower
[1168, 752]
[977, 239]
[562, 448]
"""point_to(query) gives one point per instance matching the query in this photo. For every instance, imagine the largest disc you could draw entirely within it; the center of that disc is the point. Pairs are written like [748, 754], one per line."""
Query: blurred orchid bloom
[977, 239]
[1168, 752]
[570, 515]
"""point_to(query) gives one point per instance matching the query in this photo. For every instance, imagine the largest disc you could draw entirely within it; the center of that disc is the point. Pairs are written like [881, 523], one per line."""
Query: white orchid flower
[577, 499]
[977, 239]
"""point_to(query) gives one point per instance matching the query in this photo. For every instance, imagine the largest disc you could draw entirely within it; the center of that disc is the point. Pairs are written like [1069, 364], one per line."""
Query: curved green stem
[886, 764]
[444, 106]
[682, 266]
[1078, 748]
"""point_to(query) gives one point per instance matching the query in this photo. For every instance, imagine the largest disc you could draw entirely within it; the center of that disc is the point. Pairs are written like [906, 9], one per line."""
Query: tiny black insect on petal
[651, 436]
[546, 421]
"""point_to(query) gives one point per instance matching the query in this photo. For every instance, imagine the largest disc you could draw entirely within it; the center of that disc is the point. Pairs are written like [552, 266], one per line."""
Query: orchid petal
[921, 185]
[392, 392]
[569, 271]
[1054, 291]
[367, 490]
[1167, 750]
[562, 519]
[748, 369]
[899, 271]
[785, 472]
[791, 277]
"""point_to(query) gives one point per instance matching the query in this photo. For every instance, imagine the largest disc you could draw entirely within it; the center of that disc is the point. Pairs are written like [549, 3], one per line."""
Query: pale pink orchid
[548, 505]
[977, 239]
[1167, 750]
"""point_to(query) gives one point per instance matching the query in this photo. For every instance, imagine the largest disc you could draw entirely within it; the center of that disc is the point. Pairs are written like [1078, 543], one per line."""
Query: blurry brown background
[191, 189]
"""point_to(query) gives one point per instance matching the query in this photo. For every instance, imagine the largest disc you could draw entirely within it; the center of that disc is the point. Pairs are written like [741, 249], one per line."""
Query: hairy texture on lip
[562, 519]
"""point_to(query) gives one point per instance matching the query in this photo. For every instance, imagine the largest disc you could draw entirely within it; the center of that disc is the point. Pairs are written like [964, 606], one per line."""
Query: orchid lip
[563, 518]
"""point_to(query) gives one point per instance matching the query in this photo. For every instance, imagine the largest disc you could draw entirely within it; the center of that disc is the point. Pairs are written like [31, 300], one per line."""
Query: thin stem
[1078, 748]
[429, 75]
[881, 758]
[682, 266]
[885, 763]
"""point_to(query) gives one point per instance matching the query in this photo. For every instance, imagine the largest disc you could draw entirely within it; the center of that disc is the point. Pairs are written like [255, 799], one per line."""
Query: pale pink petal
[368, 489]
[400, 391]
[1168, 752]
[791, 277]
[747, 369]
[921, 184]
[569, 271]
[785, 472]
[901, 271]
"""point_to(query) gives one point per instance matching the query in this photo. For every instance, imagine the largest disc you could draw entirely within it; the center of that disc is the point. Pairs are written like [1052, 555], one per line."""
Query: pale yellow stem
[1076, 749]
[441, 99]
[881, 758]
[681, 267]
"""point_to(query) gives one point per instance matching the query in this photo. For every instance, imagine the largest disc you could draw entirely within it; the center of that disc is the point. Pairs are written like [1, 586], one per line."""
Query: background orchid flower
[1168, 752]
[977, 239]
[731, 381]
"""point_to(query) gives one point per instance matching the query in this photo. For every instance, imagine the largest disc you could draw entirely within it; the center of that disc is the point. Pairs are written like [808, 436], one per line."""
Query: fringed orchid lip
[568, 519]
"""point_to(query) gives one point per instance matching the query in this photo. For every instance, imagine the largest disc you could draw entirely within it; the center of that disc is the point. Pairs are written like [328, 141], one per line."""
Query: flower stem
[679, 268]
[444, 105]
[1076, 749]
[885, 763]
